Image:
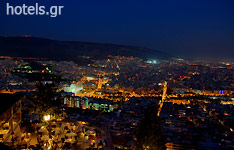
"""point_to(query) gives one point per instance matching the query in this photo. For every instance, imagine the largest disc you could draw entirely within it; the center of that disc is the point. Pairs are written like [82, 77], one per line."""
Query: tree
[47, 102]
[149, 135]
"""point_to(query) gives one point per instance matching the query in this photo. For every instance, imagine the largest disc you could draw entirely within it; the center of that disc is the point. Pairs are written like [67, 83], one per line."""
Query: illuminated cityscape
[116, 75]
[105, 105]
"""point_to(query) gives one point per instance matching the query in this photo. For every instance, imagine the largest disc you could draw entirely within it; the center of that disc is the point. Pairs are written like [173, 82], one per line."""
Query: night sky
[190, 28]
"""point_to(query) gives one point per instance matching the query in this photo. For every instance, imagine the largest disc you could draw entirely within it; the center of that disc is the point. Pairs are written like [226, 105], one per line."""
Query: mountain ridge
[71, 50]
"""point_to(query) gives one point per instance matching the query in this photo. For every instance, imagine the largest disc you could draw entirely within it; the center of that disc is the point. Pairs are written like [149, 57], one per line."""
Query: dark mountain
[66, 50]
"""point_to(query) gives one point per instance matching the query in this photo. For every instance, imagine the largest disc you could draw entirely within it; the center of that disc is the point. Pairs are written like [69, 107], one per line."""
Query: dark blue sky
[182, 27]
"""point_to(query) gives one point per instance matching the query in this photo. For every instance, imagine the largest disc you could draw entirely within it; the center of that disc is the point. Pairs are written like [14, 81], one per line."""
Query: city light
[152, 61]
[47, 117]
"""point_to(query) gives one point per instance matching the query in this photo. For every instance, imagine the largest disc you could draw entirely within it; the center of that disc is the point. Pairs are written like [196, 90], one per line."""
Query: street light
[47, 118]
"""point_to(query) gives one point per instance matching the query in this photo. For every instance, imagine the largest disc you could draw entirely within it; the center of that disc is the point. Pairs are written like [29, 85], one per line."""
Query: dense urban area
[116, 103]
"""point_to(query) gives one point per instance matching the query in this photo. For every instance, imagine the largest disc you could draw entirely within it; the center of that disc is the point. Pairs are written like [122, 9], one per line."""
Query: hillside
[65, 50]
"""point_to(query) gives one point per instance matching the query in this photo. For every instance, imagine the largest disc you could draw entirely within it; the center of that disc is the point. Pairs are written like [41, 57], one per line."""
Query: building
[89, 103]
[10, 119]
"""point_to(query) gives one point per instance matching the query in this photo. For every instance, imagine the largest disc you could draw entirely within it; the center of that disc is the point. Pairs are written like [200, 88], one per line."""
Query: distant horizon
[183, 28]
[203, 58]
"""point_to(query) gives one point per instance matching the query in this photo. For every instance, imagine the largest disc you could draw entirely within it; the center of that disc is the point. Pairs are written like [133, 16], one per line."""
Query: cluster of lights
[151, 61]
[47, 118]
